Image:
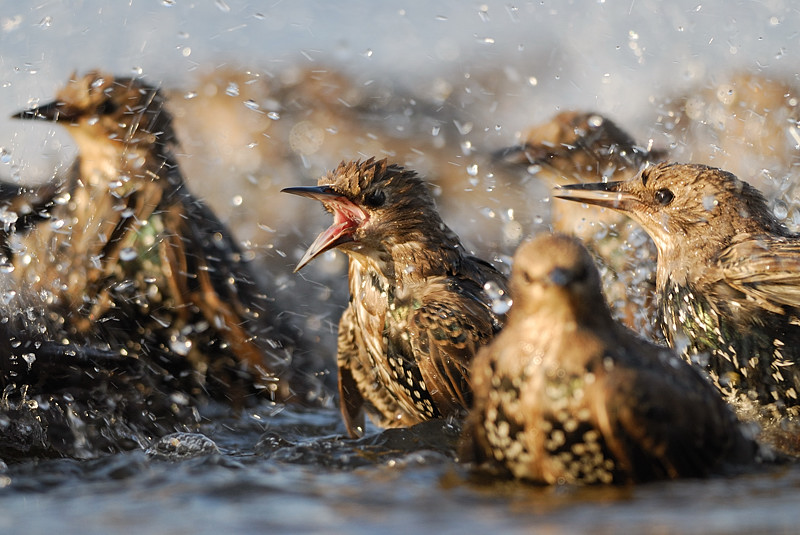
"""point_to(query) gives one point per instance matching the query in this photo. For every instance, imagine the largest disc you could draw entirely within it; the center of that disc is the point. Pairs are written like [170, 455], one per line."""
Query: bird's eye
[374, 199]
[107, 107]
[664, 197]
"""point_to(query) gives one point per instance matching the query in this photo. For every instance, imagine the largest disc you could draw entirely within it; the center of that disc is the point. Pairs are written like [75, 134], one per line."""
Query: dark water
[290, 471]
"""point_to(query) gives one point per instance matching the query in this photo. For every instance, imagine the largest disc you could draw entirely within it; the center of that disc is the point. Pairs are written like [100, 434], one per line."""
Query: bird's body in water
[565, 394]
[588, 147]
[128, 255]
[728, 276]
[419, 308]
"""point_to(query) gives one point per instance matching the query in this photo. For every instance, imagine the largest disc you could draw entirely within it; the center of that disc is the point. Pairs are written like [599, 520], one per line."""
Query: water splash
[501, 301]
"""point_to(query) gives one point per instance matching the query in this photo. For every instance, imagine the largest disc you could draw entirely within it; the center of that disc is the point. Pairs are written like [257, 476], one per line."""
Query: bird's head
[554, 274]
[680, 204]
[375, 206]
[121, 109]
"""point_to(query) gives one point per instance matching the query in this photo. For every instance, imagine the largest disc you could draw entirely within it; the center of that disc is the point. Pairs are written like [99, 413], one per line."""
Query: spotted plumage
[564, 394]
[129, 256]
[418, 311]
[728, 276]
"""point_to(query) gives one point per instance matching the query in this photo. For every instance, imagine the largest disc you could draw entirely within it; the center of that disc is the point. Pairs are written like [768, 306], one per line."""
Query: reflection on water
[294, 472]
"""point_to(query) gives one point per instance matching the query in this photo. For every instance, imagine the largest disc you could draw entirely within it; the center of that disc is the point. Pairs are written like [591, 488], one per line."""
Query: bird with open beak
[420, 306]
[728, 276]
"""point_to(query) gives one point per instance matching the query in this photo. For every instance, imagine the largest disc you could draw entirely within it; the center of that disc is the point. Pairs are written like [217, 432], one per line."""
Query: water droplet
[534, 169]
[127, 254]
[225, 8]
[7, 297]
[464, 128]
[781, 210]
[7, 218]
[483, 13]
[533, 81]
[190, 95]
[251, 105]
[180, 345]
[595, 121]
[5, 155]
[274, 115]
[472, 170]
[46, 22]
[168, 3]
[501, 302]
[709, 202]
[232, 90]
[30, 358]
[237, 200]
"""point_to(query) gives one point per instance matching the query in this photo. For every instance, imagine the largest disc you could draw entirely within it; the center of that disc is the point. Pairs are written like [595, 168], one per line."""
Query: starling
[130, 253]
[587, 147]
[565, 394]
[728, 276]
[420, 306]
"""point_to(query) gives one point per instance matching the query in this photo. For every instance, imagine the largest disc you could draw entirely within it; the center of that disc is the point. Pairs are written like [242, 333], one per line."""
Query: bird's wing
[446, 330]
[664, 420]
[29, 206]
[208, 270]
[351, 401]
[766, 269]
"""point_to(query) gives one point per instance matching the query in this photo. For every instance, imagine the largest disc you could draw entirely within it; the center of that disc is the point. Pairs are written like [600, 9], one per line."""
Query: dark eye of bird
[528, 277]
[374, 199]
[107, 107]
[664, 197]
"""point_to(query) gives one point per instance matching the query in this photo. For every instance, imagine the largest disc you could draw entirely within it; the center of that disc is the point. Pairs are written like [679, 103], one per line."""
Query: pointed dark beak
[605, 194]
[54, 111]
[320, 193]
[347, 217]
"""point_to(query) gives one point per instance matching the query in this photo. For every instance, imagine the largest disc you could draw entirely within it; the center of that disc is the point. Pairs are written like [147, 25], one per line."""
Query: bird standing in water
[129, 252]
[565, 394]
[420, 306]
[728, 275]
[588, 147]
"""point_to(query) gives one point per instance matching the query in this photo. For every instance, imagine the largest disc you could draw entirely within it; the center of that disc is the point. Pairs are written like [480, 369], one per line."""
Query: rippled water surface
[293, 472]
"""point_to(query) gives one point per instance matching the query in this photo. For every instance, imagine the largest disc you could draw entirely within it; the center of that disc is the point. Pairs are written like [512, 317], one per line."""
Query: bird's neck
[114, 165]
[685, 259]
[407, 263]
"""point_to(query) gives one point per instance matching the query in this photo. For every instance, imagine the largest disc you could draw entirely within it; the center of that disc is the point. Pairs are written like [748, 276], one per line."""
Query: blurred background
[271, 95]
